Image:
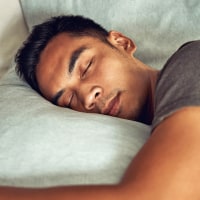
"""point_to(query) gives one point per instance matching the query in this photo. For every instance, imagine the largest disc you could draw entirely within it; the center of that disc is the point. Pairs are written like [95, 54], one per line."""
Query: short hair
[28, 55]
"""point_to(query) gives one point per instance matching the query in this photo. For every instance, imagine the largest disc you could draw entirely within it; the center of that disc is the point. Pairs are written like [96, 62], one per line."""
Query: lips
[112, 106]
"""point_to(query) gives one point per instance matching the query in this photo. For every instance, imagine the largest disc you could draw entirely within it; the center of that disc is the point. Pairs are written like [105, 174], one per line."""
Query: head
[74, 62]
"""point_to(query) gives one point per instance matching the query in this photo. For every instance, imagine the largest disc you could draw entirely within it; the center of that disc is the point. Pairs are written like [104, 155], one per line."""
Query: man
[75, 63]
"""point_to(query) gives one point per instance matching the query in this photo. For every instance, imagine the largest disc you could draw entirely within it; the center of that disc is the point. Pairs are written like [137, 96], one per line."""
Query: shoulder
[188, 53]
[178, 84]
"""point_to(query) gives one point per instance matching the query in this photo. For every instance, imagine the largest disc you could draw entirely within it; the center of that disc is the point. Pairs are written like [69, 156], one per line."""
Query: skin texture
[104, 80]
[167, 166]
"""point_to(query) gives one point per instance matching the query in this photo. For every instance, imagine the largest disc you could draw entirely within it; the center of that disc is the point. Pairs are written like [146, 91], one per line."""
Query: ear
[121, 42]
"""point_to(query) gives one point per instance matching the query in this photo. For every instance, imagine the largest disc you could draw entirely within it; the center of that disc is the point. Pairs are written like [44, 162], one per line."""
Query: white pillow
[45, 145]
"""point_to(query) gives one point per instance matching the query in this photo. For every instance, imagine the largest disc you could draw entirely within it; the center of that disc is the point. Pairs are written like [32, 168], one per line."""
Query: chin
[129, 115]
[126, 116]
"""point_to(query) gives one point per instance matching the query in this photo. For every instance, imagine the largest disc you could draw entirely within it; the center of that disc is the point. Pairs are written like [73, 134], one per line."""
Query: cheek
[111, 73]
[130, 106]
[109, 79]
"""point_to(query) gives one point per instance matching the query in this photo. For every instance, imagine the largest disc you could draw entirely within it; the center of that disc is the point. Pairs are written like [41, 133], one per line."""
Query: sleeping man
[75, 63]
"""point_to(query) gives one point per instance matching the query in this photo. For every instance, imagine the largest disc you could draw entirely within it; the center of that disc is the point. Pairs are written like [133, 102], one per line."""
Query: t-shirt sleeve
[178, 85]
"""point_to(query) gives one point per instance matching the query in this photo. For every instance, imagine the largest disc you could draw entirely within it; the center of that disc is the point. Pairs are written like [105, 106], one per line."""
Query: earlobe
[120, 41]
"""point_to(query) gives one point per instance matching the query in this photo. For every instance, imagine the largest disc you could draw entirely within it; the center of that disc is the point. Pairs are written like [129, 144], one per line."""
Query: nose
[92, 97]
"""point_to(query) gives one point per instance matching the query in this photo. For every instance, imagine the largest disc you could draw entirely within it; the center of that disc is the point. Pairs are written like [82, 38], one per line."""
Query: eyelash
[85, 71]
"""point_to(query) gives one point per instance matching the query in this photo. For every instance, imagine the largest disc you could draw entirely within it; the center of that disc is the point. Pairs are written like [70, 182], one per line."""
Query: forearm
[62, 193]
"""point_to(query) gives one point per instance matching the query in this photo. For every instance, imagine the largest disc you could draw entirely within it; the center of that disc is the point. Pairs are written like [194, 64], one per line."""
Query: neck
[153, 80]
[147, 112]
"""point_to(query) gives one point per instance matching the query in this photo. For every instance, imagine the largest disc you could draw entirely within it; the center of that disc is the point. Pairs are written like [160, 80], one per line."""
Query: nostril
[97, 94]
[91, 106]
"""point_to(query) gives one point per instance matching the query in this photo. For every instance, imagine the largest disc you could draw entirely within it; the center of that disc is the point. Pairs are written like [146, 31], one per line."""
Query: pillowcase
[45, 145]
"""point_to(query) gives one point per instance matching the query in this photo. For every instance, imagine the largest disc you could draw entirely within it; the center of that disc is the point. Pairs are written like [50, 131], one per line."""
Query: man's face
[88, 75]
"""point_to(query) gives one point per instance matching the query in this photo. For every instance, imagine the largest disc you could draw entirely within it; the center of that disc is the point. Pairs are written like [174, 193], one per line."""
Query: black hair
[28, 55]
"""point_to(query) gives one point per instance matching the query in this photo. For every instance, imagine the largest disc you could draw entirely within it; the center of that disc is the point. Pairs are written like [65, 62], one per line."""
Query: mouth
[112, 107]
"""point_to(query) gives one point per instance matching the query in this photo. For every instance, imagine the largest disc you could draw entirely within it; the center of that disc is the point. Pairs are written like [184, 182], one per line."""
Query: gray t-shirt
[178, 85]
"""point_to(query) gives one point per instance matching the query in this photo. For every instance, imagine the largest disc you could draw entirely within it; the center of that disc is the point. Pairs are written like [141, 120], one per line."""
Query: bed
[43, 145]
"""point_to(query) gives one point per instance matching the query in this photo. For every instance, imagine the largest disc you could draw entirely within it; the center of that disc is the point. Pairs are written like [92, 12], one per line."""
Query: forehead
[61, 44]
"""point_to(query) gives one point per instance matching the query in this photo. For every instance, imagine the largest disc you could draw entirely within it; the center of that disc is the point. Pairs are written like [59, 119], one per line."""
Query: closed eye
[70, 101]
[86, 69]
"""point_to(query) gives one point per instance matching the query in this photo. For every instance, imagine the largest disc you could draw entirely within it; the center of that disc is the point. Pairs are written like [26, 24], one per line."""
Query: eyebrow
[75, 56]
[56, 97]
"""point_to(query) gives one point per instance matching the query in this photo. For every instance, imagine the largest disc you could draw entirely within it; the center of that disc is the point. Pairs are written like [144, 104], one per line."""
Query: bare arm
[167, 167]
